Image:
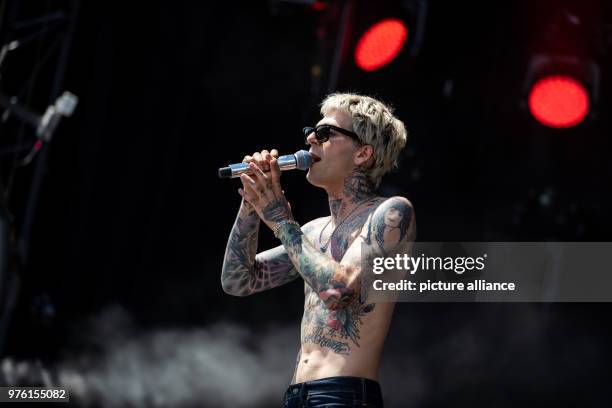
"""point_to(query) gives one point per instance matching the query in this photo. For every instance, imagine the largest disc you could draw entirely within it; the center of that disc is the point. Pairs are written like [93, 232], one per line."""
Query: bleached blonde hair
[374, 123]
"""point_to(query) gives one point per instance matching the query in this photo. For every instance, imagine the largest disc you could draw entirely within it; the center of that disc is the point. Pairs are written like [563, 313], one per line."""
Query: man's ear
[364, 156]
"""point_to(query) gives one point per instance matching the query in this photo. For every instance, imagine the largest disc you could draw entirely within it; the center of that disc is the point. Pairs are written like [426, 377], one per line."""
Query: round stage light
[380, 44]
[558, 101]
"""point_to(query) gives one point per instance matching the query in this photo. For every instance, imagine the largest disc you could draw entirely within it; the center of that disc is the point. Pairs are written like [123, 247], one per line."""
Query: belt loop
[364, 395]
[303, 393]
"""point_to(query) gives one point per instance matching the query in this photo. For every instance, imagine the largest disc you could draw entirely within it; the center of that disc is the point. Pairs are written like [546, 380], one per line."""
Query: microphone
[301, 160]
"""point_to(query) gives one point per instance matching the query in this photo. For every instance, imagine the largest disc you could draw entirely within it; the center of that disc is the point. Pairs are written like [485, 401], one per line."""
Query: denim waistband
[362, 388]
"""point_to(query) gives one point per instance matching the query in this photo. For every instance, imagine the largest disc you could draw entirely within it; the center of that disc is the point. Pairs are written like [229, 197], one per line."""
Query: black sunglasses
[322, 133]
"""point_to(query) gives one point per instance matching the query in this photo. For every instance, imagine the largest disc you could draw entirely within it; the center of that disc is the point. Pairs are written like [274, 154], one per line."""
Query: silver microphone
[301, 160]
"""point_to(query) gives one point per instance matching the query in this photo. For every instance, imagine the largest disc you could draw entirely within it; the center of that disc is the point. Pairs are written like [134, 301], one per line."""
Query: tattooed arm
[264, 193]
[336, 283]
[244, 272]
[392, 228]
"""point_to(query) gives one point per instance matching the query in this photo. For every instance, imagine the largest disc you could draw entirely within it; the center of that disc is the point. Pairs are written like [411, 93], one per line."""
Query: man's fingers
[246, 180]
[275, 176]
[249, 186]
[244, 195]
[269, 158]
[265, 166]
[256, 158]
[263, 183]
[261, 159]
[258, 172]
[248, 201]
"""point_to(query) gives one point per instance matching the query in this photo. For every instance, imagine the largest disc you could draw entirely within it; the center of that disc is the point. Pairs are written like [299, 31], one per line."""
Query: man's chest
[334, 240]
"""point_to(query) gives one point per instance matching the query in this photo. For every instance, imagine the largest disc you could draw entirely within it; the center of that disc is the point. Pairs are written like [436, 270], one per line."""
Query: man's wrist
[247, 208]
[283, 224]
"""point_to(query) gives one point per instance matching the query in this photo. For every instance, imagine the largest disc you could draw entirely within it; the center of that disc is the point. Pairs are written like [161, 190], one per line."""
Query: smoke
[220, 366]
[434, 353]
[467, 352]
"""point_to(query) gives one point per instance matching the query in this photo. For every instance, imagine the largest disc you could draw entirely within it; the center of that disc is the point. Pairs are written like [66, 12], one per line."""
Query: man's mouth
[315, 158]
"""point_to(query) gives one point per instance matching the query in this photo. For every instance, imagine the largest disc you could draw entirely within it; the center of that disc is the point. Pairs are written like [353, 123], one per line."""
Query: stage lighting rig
[561, 91]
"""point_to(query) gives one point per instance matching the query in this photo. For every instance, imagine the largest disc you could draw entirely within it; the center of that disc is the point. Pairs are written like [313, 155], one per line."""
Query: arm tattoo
[390, 224]
[244, 272]
[325, 276]
[277, 210]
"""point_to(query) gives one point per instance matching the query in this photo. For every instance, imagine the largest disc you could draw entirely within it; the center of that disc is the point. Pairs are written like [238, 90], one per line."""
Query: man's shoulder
[375, 205]
[380, 205]
[395, 201]
[391, 220]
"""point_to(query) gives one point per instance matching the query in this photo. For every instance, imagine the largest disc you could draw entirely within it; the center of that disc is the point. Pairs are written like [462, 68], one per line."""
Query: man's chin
[312, 179]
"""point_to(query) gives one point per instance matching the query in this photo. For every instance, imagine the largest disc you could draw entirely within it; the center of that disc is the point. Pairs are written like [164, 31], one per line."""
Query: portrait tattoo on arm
[390, 224]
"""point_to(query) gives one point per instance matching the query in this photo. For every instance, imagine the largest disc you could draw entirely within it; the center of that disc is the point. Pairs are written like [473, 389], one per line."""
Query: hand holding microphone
[301, 160]
[260, 177]
[259, 158]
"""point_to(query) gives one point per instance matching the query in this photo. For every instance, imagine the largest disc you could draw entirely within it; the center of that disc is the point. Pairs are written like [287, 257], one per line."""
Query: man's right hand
[262, 160]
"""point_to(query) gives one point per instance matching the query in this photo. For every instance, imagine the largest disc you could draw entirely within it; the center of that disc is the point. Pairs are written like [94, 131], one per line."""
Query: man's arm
[244, 272]
[336, 283]
[391, 229]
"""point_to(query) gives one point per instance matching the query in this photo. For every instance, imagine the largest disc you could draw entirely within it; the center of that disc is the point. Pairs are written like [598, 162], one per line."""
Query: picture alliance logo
[404, 262]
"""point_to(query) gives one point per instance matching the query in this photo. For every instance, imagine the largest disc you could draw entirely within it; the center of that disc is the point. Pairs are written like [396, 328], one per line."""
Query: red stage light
[558, 101]
[380, 44]
[319, 6]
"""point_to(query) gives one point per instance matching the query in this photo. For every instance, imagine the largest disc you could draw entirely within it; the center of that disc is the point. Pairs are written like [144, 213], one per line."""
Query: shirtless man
[356, 142]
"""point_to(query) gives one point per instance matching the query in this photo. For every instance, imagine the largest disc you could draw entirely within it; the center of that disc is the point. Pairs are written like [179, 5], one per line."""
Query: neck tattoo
[357, 190]
[325, 245]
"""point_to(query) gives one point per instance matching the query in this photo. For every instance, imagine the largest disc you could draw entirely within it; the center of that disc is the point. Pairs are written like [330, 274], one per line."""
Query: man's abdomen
[345, 342]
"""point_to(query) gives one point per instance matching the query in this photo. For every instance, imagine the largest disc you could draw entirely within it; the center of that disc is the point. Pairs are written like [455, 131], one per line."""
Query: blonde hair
[374, 123]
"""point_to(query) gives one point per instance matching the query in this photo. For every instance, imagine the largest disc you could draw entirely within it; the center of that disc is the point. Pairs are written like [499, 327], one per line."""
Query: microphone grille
[303, 160]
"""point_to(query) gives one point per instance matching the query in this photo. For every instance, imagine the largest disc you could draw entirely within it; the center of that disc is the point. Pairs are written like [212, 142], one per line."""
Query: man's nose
[311, 139]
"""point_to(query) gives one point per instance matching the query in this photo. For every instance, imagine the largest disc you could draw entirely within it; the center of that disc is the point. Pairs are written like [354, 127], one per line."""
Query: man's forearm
[329, 279]
[239, 260]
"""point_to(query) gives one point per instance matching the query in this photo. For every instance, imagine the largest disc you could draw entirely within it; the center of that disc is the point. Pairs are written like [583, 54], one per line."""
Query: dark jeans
[336, 392]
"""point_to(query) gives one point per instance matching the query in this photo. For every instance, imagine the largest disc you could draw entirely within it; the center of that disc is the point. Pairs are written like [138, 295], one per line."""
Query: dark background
[132, 216]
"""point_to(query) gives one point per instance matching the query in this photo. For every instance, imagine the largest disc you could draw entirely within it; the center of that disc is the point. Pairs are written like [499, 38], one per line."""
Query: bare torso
[341, 334]
[346, 341]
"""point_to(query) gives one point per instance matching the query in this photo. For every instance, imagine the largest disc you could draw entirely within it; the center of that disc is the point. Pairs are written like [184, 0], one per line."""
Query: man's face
[336, 154]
